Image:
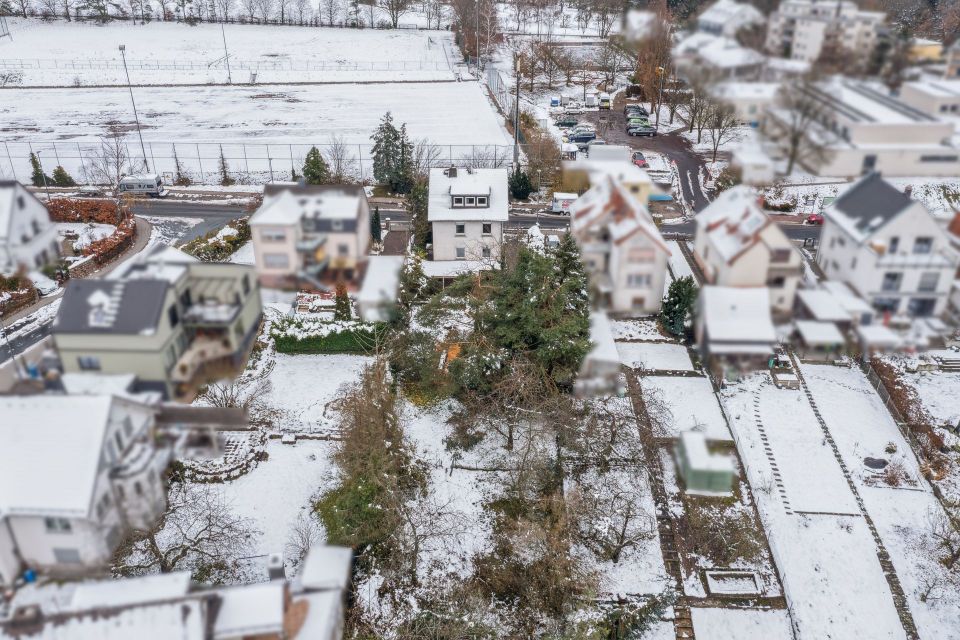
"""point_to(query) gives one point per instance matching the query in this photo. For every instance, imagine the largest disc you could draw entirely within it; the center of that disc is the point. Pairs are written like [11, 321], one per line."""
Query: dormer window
[481, 201]
[336, 225]
[470, 201]
[457, 201]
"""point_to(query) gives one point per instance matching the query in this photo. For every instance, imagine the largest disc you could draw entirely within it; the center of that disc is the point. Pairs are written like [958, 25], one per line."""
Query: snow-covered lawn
[678, 264]
[278, 123]
[642, 329]
[169, 231]
[831, 573]
[654, 356]
[66, 53]
[691, 403]
[84, 233]
[243, 255]
[938, 392]
[743, 624]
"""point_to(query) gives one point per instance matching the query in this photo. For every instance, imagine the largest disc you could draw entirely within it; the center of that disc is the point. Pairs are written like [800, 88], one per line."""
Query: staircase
[896, 589]
[949, 364]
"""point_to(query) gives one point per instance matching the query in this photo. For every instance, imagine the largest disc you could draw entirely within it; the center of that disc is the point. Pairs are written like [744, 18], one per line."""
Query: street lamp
[136, 118]
[660, 72]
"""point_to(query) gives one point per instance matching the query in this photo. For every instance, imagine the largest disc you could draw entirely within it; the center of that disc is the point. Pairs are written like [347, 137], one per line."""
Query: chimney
[451, 172]
[275, 568]
[908, 190]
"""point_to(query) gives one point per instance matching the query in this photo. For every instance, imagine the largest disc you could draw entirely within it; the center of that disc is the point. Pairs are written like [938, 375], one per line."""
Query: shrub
[76, 210]
[296, 335]
[220, 244]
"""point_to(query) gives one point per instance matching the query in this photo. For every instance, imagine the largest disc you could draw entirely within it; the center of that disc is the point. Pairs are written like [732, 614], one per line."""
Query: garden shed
[701, 470]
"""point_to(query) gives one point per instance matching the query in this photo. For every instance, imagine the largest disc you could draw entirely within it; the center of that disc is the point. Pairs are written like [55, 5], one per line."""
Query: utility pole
[516, 110]
[477, 34]
[226, 54]
[136, 118]
[661, 73]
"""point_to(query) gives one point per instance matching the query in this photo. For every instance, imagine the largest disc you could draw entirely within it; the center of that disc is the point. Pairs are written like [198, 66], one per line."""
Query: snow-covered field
[637, 329]
[654, 356]
[276, 124]
[85, 53]
[938, 392]
[743, 624]
[84, 232]
[691, 403]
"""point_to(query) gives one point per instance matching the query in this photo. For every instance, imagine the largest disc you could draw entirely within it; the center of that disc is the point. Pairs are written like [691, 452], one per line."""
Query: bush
[292, 335]
[76, 210]
[520, 186]
[220, 244]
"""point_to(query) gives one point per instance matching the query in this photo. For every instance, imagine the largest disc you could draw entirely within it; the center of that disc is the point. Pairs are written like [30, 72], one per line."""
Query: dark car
[583, 137]
[639, 112]
[641, 130]
[567, 121]
[633, 107]
[639, 159]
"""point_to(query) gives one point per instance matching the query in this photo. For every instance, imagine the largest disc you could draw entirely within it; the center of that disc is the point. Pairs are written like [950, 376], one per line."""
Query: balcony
[204, 354]
[311, 242]
[210, 313]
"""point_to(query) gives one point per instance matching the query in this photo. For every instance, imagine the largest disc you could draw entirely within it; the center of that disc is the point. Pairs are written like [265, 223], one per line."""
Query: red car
[639, 159]
[815, 218]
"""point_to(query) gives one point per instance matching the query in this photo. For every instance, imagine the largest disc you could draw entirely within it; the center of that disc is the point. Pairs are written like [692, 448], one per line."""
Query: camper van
[604, 101]
[146, 184]
[562, 202]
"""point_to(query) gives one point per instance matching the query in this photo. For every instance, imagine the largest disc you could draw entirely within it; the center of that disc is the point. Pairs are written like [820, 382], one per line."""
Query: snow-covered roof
[846, 298]
[699, 456]
[381, 281]
[737, 90]
[326, 567]
[601, 336]
[738, 315]
[819, 333]
[446, 183]
[866, 206]
[823, 306]
[938, 88]
[288, 204]
[723, 11]
[718, 51]
[860, 102]
[608, 203]
[130, 591]
[250, 610]
[452, 268]
[877, 335]
[733, 222]
[50, 450]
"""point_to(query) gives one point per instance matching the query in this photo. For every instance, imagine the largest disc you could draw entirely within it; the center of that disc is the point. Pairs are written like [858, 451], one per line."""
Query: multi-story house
[310, 236]
[76, 473]
[888, 248]
[466, 212]
[738, 245]
[622, 249]
[165, 317]
[28, 239]
[804, 29]
[727, 17]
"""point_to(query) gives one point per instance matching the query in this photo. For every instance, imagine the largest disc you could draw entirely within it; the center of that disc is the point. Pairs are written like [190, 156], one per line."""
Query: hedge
[292, 335]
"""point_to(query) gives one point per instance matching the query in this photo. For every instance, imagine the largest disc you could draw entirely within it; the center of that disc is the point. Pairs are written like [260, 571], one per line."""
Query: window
[892, 281]
[921, 306]
[485, 252]
[276, 260]
[886, 304]
[777, 282]
[173, 316]
[343, 249]
[336, 225]
[57, 525]
[922, 246]
[458, 201]
[35, 226]
[894, 244]
[928, 281]
[121, 492]
[470, 201]
[487, 228]
[127, 426]
[66, 556]
[137, 488]
[461, 252]
[780, 255]
[638, 280]
[245, 284]
[119, 438]
[638, 303]
[461, 229]
[88, 363]
[938, 158]
[273, 235]
[482, 201]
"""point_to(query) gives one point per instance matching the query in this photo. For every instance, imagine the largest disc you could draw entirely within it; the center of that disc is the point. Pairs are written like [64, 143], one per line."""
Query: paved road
[211, 216]
[791, 230]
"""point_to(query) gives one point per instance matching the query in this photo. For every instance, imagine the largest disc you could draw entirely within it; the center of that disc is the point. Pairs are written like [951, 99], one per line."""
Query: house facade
[311, 236]
[28, 239]
[738, 245]
[466, 212]
[165, 317]
[889, 249]
[804, 29]
[76, 473]
[622, 249]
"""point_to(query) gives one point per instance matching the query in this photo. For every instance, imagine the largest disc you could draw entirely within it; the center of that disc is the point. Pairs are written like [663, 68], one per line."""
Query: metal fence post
[83, 165]
[245, 162]
[10, 160]
[200, 162]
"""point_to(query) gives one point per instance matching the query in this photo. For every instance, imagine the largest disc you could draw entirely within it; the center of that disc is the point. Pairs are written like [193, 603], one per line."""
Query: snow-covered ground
[69, 54]
[638, 329]
[691, 403]
[678, 264]
[277, 125]
[243, 255]
[742, 624]
[654, 356]
[169, 230]
[84, 232]
[938, 392]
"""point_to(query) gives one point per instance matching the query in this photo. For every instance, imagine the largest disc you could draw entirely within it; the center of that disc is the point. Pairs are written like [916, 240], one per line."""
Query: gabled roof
[733, 222]
[288, 203]
[723, 11]
[111, 306]
[609, 204]
[445, 183]
[50, 449]
[866, 206]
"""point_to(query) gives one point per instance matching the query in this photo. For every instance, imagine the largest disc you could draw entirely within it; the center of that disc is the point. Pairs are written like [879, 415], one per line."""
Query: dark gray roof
[111, 306]
[871, 203]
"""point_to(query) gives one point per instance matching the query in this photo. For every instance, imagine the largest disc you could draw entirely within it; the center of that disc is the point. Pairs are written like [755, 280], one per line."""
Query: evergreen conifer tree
[519, 183]
[571, 274]
[412, 284]
[678, 305]
[63, 179]
[180, 179]
[225, 178]
[386, 151]
[341, 308]
[417, 201]
[315, 170]
[375, 233]
[36, 174]
[402, 179]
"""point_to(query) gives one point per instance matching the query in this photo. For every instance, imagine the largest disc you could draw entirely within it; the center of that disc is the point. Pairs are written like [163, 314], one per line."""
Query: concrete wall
[446, 240]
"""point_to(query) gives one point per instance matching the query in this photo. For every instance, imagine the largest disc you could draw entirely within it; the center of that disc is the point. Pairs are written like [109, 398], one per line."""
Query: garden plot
[258, 128]
[82, 234]
[654, 356]
[743, 624]
[84, 53]
[938, 392]
[642, 329]
[690, 403]
[831, 573]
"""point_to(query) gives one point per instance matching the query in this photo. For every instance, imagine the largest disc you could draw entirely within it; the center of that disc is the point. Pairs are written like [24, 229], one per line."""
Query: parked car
[633, 107]
[90, 192]
[42, 283]
[815, 218]
[641, 130]
[639, 159]
[581, 138]
[566, 121]
[573, 109]
[638, 122]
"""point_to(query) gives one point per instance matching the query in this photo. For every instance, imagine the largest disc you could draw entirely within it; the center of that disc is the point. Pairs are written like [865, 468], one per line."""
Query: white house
[622, 248]
[381, 285]
[718, 57]
[863, 129]
[727, 17]
[803, 29]
[28, 238]
[76, 472]
[466, 212]
[734, 330]
[750, 100]
[311, 235]
[738, 245]
[888, 248]
[935, 97]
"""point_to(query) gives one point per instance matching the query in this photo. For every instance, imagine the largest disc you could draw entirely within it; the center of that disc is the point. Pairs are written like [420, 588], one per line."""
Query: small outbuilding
[381, 285]
[701, 470]
[818, 340]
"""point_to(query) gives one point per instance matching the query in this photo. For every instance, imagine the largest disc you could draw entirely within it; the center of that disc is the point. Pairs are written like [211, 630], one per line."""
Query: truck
[562, 201]
[148, 184]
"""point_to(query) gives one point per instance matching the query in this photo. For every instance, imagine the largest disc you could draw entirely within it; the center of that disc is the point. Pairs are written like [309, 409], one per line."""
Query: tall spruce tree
[375, 233]
[402, 179]
[386, 150]
[63, 179]
[315, 169]
[225, 178]
[678, 305]
[572, 275]
[36, 172]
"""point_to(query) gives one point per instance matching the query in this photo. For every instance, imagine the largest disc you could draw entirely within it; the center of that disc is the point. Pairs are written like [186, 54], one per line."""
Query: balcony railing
[210, 314]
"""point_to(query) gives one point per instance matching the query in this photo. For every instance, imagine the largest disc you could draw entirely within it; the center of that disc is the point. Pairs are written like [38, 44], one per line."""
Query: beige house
[28, 239]
[804, 29]
[738, 245]
[76, 472]
[466, 212]
[311, 236]
[166, 317]
[624, 253]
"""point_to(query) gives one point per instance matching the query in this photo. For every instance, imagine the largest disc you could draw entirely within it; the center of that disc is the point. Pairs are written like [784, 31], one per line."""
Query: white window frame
[458, 201]
[481, 201]
[459, 228]
[469, 201]
[460, 252]
[275, 264]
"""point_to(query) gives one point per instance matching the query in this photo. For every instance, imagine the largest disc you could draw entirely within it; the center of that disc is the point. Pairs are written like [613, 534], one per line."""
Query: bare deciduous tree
[110, 161]
[199, 532]
[608, 516]
[302, 8]
[331, 10]
[723, 125]
[395, 9]
[795, 128]
[304, 533]
[342, 163]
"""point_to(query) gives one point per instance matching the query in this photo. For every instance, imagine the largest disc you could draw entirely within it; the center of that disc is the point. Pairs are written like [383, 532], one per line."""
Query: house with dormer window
[28, 239]
[466, 212]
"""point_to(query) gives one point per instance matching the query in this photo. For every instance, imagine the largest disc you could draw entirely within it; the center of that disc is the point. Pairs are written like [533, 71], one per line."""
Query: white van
[605, 101]
[145, 184]
[562, 202]
[590, 101]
